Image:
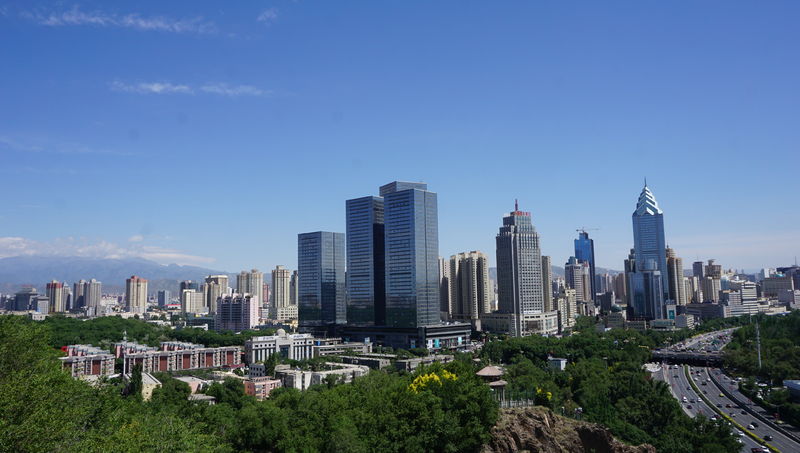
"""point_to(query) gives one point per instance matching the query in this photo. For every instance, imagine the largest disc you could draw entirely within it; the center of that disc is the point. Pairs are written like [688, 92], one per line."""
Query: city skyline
[570, 99]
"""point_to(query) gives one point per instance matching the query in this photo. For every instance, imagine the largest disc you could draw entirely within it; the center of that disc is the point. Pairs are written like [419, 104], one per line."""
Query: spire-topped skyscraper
[646, 296]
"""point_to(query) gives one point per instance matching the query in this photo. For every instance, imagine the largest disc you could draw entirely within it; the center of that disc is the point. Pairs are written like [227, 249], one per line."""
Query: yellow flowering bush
[424, 380]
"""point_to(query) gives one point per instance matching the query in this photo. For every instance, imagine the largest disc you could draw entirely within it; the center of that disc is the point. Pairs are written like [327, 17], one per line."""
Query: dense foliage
[605, 379]
[103, 331]
[43, 409]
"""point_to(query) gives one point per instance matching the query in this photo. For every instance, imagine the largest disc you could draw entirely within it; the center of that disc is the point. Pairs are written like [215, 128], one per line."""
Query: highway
[680, 388]
[714, 342]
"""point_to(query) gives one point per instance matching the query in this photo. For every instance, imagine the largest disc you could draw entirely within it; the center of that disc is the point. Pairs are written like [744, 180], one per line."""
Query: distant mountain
[38, 270]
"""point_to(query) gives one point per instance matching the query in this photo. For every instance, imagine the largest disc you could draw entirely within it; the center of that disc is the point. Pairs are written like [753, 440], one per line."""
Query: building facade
[136, 294]
[321, 279]
[236, 312]
[584, 251]
[252, 283]
[469, 286]
[366, 260]
[281, 283]
[646, 297]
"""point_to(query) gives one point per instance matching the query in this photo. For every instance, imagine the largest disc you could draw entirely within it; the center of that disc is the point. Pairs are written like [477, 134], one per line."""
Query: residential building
[445, 298]
[293, 293]
[178, 356]
[321, 279]
[236, 312]
[216, 286]
[711, 288]
[87, 360]
[78, 298]
[252, 283]
[577, 275]
[261, 387]
[193, 301]
[366, 261]
[55, 294]
[584, 251]
[93, 297]
[469, 286]
[520, 282]
[136, 294]
[677, 289]
[281, 283]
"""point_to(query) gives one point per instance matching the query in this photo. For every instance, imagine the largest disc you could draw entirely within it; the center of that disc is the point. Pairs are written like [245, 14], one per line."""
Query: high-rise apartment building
[78, 298]
[577, 275]
[321, 279]
[251, 283]
[677, 288]
[215, 287]
[366, 260]
[136, 294]
[281, 284]
[547, 283]
[520, 283]
[237, 312]
[93, 296]
[584, 251]
[193, 301]
[469, 286]
[55, 294]
[646, 295]
[411, 247]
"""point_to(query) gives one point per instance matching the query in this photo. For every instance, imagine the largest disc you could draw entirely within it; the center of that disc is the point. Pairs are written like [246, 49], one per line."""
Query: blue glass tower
[584, 251]
[366, 280]
[411, 246]
[650, 258]
[321, 285]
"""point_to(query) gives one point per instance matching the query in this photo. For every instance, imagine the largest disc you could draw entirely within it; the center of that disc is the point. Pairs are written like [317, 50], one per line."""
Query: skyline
[232, 145]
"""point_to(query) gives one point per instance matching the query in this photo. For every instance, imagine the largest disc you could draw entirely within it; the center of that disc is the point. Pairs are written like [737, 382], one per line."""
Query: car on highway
[759, 450]
[767, 437]
[721, 395]
[688, 406]
[755, 424]
[744, 412]
[750, 426]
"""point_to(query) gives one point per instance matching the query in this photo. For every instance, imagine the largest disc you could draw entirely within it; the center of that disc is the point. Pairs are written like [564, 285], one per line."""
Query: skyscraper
[321, 281]
[136, 294]
[281, 282]
[584, 251]
[646, 296]
[366, 279]
[697, 270]
[411, 247]
[577, 275]
[163, 298]
[55, 293]
[92, 296]
[293, 289]
[677, 288]
[547, 283]
[215, 287]
[469, 286]
[445, 299]
[78, 299]
[251, 283]
[519, 269]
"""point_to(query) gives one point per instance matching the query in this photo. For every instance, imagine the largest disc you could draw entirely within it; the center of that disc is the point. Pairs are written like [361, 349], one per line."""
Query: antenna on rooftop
[516, 208]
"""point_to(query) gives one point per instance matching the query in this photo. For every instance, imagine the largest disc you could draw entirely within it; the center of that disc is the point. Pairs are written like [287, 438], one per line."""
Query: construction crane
[584, 229]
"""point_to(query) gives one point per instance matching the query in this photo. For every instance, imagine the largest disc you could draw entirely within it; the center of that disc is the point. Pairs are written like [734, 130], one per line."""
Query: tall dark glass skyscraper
[411, 246]
[366, 280]
[584, 251]
[647, 296]
[320, 268]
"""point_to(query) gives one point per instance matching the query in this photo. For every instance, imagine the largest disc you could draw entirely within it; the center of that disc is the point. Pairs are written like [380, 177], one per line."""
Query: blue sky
[212, 133]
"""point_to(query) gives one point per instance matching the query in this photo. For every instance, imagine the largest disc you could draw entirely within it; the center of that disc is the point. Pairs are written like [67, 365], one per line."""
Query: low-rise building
[685, 321]
[87, 360]
[557, 363]
[708, 311]
[414, 363]
[260, 387]
[176, 356]
[298, 346]
[149, 383]
[302, 380]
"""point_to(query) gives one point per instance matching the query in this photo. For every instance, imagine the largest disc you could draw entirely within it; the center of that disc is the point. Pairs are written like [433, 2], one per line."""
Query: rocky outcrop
[539, 430]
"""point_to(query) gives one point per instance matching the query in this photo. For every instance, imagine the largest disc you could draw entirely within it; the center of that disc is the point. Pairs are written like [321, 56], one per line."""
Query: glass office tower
[650, 253]
[411, 246]
[584, 251]
[321, 281]
[366, 282]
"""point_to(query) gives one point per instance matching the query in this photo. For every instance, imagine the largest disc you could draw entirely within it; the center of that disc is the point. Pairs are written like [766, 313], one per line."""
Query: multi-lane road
[709, 387]
[694, 404]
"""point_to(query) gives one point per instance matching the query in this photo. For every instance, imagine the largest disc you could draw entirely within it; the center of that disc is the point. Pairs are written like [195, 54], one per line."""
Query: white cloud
[238, 90]
[19, 246]
[151, 88]
[76, 17]
[268, 16]
[136, 238]
[222, 89]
